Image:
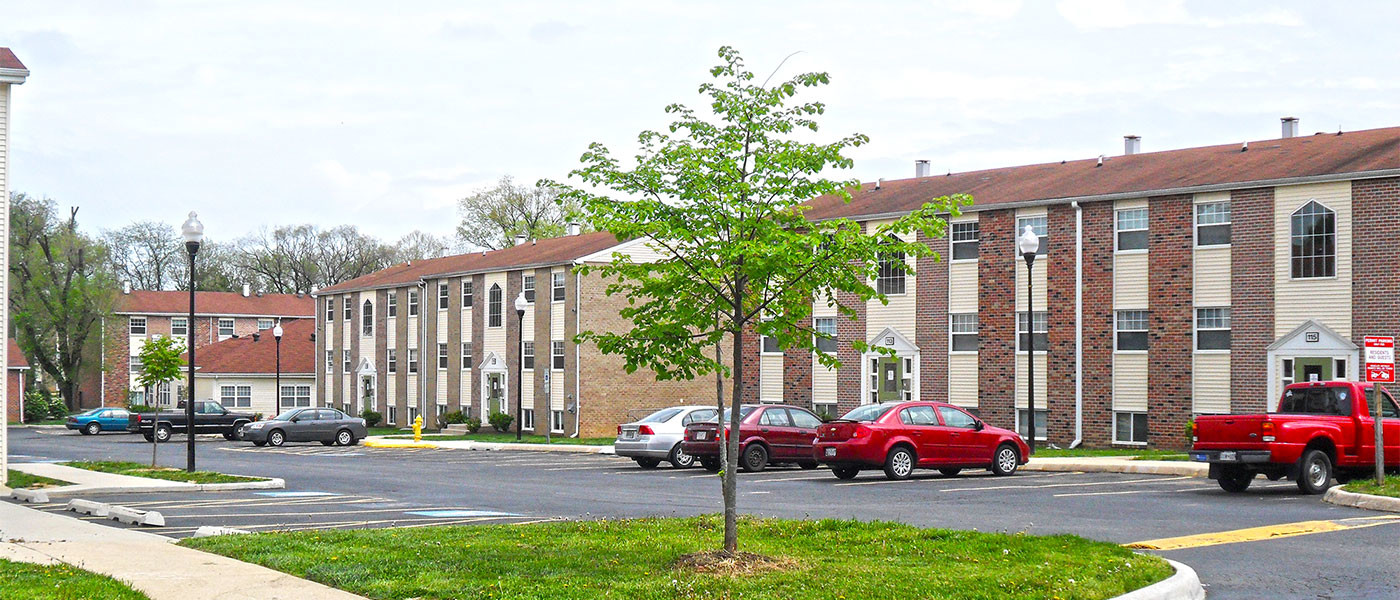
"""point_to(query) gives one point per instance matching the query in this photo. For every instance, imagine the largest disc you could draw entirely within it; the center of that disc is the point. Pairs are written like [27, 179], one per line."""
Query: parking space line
[255, 515]
[1126, 492]
[1060, 485]
[1267, 532]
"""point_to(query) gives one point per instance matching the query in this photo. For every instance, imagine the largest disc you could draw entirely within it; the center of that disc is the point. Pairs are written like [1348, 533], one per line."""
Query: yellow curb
[397, 444]
[1255, 534]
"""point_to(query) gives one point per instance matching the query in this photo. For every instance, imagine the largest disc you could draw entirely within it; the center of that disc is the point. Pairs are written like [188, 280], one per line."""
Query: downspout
[578, 360]
[1078, 325]
[423, 350]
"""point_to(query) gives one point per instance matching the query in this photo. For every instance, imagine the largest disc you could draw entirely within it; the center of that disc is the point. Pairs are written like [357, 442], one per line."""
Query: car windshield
[867, 413]
[287, 415]
[661, 416]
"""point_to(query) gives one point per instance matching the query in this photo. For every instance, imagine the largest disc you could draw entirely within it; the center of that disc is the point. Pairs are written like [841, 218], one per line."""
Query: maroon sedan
[900, 437]
[768, 434]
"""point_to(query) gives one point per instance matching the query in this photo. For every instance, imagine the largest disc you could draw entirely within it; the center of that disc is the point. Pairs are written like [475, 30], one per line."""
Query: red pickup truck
[1322, 429]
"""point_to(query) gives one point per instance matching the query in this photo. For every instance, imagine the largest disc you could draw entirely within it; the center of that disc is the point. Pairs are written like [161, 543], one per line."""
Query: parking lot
[1271, 538]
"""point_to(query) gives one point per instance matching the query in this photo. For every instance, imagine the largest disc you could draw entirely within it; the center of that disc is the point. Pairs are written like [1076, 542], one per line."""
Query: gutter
[1078, 325]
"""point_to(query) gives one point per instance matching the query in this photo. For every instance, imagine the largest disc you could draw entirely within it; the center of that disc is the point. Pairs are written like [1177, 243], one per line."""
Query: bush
[473, 424]
[825, 414]
[454, 418]
[500, 421]
[371, 418]
[42, 405]
[141, 408]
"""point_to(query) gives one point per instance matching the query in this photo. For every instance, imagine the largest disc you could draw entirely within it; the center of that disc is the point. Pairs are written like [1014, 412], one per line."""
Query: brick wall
[751, 364]
[1097, 354]
[401, 333]
[797, 375]
[1059, 264]
[1375, 205]
[931, 319]
[543, 351]
[572, 355]
[1169, 279]
[513, 287]
[849, 328]
[478, 344]
[381, 351]
[1252, 296]
[14, 392]
[454, 345]
[996, 322]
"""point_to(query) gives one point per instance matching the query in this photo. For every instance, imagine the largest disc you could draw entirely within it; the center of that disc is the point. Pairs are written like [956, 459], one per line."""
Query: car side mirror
[296, 419]
[978, 426]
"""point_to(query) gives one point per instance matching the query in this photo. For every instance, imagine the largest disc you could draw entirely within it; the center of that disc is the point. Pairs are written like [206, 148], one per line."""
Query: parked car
[1323, 429]
[97, 420]
[326, 425]
[209, 417]
[768, 434]
[902, 436]
[657, 436]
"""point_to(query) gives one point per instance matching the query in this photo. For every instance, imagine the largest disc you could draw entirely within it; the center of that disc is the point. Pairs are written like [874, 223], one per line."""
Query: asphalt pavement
[1269, 542]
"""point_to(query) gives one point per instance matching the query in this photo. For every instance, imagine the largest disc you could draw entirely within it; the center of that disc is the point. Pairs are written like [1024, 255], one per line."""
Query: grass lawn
[385, 430]
[59, 582]
[495, 437]
[1134, 453]
[24, 480]
[169, 473]
[637, 559]
[1367, 485]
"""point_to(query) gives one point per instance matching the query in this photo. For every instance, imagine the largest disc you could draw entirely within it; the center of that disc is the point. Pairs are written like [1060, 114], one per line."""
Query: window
[1213, 224]
[1212, 329]
[392, 357]
[1129, 428]
[367, 319]
[345, 354]
[330, 361]
[965, 238]
[1038, 331]
[330, 309]
[134, 362]
[298, 396]
[137, 325]
[179, 326]
[1314, 233]
[527, 284]
[466, 293]
[557, 285]
[1040, 416]
[466, 355]
[236, 396]
[1317, 401]
[527, 418]
[264, 324]
[825, 328]
[557, 355]
[1130, 329]
[493, 306]
[349, 308]
[556, 421]
[1038, 226]
[769, 345]
[1132, 229]
[393, 418]
[527, 355]
[953, 417]
[391, 305]
[412, 414]
[1287, 371]
[163, 395]
[918, 415]
[890, 278]
[963, 329]
[225, 328]
[442, 356]
[775, 417]
[412, 360]
[412, 303]
[442, 296]
[1339, 368]
[1388, 409]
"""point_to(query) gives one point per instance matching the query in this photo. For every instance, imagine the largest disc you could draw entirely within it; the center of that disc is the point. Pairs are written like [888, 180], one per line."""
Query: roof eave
[15, 76]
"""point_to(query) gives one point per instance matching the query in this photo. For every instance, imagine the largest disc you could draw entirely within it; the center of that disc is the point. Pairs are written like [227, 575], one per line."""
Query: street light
[520, 304]
[1029, 243]
[193, 232]
[277, 336]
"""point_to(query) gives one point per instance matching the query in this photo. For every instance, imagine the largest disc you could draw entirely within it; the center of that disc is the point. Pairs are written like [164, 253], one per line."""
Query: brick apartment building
[242, 372]
[16, 374]
[142, 315]
[439, 335]
[1174, 283]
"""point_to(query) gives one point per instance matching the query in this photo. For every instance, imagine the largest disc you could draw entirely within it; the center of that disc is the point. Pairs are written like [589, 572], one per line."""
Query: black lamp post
[193, 232]
[520, 305]
[277, 337]
[1029, 243]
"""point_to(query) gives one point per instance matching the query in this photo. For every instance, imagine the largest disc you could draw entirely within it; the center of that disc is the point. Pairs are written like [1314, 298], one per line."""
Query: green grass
[385, 430]
[19, 480]
[1367, 485]
[635, 559]
[60, 582]
[1134, 453]
[495, 437]
[168, 473]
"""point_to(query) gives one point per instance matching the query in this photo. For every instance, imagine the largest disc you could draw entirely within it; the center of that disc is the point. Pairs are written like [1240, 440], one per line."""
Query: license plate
[700, 435]
[629, 435]
[1200, 457]
[1227, 455]
[831, 452]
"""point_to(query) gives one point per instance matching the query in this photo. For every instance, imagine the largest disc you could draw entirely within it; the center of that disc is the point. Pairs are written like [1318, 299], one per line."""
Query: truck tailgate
[1243, 432]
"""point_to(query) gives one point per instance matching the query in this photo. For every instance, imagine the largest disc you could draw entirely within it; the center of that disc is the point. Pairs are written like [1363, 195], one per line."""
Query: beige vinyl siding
[391, 388]
[493, 338]
[1326, 299]
[367, 349]
[527, 390]
[962, 286]
[1211, 274]
[1038, 271]
[1129, 268]
[823, 383]
[1210, 384]
[770, 378]
[962, 380]
[413, 384]
[391, 328]
[1130, 382]
[821, 309]
[1040, 379]
[899, 313]
[556, 332]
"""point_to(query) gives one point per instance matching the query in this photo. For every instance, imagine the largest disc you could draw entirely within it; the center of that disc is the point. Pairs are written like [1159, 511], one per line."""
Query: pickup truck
[1322, 430]
[209, 417]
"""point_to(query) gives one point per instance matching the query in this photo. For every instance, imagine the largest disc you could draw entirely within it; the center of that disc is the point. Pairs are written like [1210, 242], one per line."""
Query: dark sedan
[326, 425]
[768, 434]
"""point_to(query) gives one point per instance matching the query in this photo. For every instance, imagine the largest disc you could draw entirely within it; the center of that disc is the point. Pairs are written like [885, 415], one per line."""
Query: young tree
[723, 201]
[161, 362]
[492, 217]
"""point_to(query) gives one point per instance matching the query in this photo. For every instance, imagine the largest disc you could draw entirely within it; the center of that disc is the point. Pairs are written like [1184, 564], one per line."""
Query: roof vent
[574, 228]
[245, 290]
[1244, 147]
[126, 287]
[879, 183]
[1100, 162]
[1132, 144]
[921, 168]
[1290, 127]
[519, 239]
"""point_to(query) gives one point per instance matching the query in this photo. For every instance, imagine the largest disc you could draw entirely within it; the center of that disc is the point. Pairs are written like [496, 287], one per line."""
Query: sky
[383, 114]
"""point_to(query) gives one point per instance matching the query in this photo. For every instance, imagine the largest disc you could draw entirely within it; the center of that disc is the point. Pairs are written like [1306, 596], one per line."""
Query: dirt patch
[719, 562]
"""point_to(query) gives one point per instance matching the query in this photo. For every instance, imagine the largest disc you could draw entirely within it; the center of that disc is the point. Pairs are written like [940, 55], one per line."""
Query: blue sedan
[98, 420]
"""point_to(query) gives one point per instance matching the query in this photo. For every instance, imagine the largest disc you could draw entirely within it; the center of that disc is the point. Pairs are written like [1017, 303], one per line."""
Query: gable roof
[1329, 156]
[249, 355]
[540, 253]
[11, 70]
[216, 304]
[16, 357]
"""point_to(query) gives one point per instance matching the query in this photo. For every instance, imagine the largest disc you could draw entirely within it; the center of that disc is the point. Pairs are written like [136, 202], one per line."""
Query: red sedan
[902, 436]
[768, 434]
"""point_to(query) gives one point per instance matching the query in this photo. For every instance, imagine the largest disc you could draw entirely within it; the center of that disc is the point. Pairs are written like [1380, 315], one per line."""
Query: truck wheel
[1006, 460]
[845, 472]
[899, 464]
[163, 433]
[1235, 480]
[710, 464]
[679, 459]
[1314, 472]
[92, 428]
[754, 459]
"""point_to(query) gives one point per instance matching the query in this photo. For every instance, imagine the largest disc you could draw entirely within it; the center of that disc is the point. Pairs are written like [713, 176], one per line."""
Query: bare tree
[492, 217]
[297, 258]
[420, 245]
[147, 254]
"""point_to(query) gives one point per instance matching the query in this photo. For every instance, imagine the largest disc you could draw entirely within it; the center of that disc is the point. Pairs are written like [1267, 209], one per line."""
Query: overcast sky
[382, 115]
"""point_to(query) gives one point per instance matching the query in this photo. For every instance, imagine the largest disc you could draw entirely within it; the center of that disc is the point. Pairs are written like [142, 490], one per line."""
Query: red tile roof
[246, 355]
[8, 60]
[552, 251]
[16, 356]
[216, 304]
[1141, 175]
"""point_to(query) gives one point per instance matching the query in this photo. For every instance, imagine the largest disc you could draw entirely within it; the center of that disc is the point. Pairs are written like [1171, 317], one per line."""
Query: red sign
[1380, 359]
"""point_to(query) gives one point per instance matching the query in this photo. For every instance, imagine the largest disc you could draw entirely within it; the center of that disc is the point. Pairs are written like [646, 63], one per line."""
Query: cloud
[1112, 14]
[549, 31]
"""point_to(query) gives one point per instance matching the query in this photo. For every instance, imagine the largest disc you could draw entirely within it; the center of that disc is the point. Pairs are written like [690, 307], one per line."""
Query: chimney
[921, 168]
[126, 287]
[520, 238]
[1132, 144]
[1290, 126]
[574, 228]
[256, 337]
[879, 183]
[245, 290]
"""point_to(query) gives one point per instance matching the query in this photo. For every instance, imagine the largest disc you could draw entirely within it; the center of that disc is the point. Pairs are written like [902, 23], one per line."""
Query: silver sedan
[657, 436]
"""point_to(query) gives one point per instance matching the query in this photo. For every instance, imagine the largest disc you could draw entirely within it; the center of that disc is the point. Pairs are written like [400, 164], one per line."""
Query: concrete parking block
[31, 496]
[1098, 464]
[382, 442]
[88, 507]
[149, 518]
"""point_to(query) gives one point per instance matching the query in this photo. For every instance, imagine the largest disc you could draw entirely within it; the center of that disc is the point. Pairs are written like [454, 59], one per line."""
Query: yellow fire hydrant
[417, 429]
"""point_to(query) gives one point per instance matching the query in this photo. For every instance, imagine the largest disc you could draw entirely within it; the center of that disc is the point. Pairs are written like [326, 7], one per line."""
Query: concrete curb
[1336, 495]
[210, 531]
[1139, 467]
[69, 491]
[380, 442]
[1182, 585]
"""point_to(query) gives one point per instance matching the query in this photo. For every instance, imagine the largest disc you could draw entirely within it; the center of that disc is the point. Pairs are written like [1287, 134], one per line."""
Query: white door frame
[493, 363]
[1312, 339]
[903, 348]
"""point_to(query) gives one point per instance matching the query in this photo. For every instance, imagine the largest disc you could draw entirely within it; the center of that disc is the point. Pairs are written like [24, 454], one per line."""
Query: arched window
[890, 279]
[493, 306]
[1314, 236]
[367, 319]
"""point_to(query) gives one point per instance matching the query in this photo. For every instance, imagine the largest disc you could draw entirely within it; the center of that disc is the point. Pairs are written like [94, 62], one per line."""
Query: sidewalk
[385, 442]
[149, 563]
[1114, 464]
[85, 481]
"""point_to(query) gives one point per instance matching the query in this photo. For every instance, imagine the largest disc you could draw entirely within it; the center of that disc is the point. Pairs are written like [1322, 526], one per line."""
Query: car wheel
[1235, 480]
[92, 428]
[950, 472]
[276, 437]
[647, 463]
[259, 444]
[1006, 459]
[710, 464]
[899, 464]
[845, 472]
[344, 438]
[163, 433]
[807, 466]
[679, 459]
[1314, 472]
[754, 459]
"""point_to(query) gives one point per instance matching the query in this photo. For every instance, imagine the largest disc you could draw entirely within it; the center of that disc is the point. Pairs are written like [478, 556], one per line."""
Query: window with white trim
[136, 325]
[557, 355]
[556, 421]
[1130, 330]
[889, 279]
[1041, 417]
[1131, 225]
[412, 414]
[1287, 371]
[163, 395]
[825, 328]
[493, 306]
[1314, 237]
[442, 295]
[391, 304]
[1213, 223]
[1213, 329]
[769, 345]
[225, 328]
[264, 324]
[557, 285]
[367, 319]
[963, 329]
[442, 357]
[391, 356]
[527, 285]
[412, 303]
[965, 238]
[330, 361]
[466, 293]
[1039, 331]
[330, 309]
[527, 418]
[412, 360]
[134, 362]
[1339, 369]
[349, 308]
[466, 355]
[527, 355]
[345, 354]
[236, 396]
[393, 416]
[1038, 226]
[1129, 428]
[296, 396]
[179, 326]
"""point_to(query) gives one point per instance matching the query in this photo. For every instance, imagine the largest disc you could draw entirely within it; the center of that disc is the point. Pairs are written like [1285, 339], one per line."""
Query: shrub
[454, 418]
[371, 418]
[473, 424]
[257, 416]
[824, 414]
[36, 406]
[500, 421]
[141, 408]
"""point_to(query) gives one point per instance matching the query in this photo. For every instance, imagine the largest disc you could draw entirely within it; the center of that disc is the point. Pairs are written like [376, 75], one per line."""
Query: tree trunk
[731, 441]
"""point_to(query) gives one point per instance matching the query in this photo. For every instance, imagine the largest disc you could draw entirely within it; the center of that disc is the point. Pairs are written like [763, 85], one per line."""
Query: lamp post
[193, 232]
[520, 304]
[1029, 243]
[277, 337]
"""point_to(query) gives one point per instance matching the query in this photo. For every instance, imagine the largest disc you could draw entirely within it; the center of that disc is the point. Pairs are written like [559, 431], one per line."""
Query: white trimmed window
[769, 345]
[367, 319]
[330, 361]
[134, 362]
[1038, 226]
[179, 326]
[296, 396]
[557, 355]
[330, 309]
[163, 395]
[527, 355]
[346, 355]
[557, 285]
[965, 238]
[527, 285]
[889, 279]
[1131, 224]
[1314, 237]
[442, 296]
[1041, 415]
[963, 331]
[236, 396]
[412, 360]
[137, 325]
[1129, 428]
[1212, 329]
[391, 304]
[442, 357]
[412, 303]
[556, 421]
[1213, 223]
[1036, 332]
[527, 418]
[391, 356]
[264, 324]
[466, 293]
[466, 355]
[349, 308]
[1130, 331]
[493, 306]
[412, 414]
[225, 327]
[825, 328]
[393, 417]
